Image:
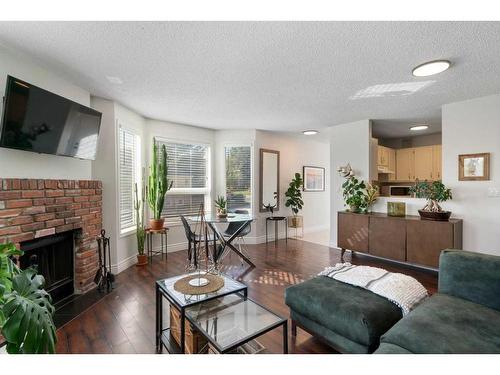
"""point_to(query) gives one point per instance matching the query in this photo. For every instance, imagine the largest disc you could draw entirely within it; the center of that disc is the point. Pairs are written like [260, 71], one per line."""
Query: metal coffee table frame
[163, 336]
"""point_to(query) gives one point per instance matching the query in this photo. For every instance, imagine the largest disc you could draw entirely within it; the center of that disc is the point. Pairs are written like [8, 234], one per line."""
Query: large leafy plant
[26, 309]
[434, 192]
[158, 183]
[294, 194]
[354, 193]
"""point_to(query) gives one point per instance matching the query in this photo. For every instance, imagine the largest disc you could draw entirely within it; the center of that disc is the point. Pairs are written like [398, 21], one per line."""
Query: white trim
[173, 247]
[124, 264]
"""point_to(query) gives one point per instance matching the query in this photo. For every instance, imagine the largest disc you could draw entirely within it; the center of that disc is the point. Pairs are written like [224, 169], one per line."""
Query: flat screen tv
[37, 120]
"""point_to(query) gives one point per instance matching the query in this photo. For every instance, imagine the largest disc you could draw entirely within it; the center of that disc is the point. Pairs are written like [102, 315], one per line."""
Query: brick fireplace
[35, 208]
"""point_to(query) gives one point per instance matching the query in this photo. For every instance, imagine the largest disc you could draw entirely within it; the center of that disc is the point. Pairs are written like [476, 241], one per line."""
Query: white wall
[473, 126]
[295, 152]
[24, 164]
[349, 143]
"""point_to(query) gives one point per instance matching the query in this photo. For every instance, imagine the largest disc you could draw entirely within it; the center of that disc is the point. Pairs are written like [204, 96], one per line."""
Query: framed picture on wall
[474, 167]
[314, 178]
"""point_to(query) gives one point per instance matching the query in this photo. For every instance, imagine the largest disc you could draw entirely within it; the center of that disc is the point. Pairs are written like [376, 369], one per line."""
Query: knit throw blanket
[402, 290]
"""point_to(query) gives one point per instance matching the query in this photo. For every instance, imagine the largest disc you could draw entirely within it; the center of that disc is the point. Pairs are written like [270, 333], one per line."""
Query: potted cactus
[142, 259]
[158, 185]
[221, 206]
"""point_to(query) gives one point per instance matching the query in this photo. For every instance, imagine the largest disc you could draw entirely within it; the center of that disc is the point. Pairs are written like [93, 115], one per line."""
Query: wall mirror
[269, 179]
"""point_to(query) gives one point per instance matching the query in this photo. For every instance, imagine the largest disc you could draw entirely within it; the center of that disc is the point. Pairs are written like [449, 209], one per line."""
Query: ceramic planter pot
[435, 216]
[156, 224]
[142, 260]
[221, 212]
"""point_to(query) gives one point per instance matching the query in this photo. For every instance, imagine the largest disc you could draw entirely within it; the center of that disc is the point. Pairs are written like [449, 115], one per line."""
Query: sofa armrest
[471, 276]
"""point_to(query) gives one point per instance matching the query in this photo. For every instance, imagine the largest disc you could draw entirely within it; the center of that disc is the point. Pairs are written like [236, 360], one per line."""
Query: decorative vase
[354, 209]
[435, 216]
[142, 260]
[221, 212]
[156, 224]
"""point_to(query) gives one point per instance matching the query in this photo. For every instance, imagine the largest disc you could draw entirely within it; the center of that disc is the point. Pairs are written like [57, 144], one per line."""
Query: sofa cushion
[355, 313]
[447, 324]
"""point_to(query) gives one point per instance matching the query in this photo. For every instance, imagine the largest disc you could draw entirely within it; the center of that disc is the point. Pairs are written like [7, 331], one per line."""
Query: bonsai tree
[140, 230]
[158, 185]
[354, 193]
[221, 206]
[294, 194]
[26, 309]
[434, 192]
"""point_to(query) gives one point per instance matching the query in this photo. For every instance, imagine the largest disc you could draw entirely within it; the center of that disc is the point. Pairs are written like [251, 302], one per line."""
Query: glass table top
[231, 320]
[231, 218]
[183, 300]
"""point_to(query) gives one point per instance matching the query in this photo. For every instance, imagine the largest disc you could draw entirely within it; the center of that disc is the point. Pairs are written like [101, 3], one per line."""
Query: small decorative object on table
[396, 209]
[221, 206]
[434, 192]
[158, 185]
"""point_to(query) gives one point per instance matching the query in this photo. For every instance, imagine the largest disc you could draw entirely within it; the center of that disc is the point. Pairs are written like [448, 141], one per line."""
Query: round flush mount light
[419, 127]
[430, 68]
[310, 132]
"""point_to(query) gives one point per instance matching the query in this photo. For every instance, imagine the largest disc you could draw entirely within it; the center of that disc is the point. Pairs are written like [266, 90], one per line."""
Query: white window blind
[238, 160]
[129, 168]
[189, 169]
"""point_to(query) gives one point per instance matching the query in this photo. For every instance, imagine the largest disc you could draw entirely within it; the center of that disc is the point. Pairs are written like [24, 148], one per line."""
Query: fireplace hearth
[53, 258]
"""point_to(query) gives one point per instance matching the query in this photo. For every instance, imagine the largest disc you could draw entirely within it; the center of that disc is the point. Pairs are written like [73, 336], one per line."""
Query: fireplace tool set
[104, 278]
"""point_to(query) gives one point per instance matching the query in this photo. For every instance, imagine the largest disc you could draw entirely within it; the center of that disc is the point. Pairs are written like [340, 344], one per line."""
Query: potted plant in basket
[26, 309]
[221, 206]
[158, 185]
[434, 192]
[294, 200]
[142, 259]
[354, 194]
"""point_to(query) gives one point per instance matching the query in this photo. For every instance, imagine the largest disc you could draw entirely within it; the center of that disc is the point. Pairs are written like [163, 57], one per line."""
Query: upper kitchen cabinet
[405, 164]
[437, 161]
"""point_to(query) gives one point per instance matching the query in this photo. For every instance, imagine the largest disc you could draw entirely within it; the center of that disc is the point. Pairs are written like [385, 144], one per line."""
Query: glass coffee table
[231, 321]
[165, 289]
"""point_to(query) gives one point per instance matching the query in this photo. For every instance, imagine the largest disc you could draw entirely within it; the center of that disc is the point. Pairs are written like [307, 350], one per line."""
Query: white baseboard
[124, 264]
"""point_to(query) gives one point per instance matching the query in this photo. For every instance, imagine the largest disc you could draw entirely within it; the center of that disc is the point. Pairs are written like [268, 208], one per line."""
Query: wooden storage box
[194, 341]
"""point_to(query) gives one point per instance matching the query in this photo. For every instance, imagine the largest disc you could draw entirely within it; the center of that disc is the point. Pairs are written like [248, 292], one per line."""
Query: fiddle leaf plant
[294, 194]
[26, 311]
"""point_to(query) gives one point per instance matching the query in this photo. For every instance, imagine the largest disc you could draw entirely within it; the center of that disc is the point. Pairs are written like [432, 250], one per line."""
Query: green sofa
[463, 317]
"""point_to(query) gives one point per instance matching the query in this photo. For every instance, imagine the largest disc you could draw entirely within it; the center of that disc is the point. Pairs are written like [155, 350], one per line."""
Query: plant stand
[163, 243]
[296, 222]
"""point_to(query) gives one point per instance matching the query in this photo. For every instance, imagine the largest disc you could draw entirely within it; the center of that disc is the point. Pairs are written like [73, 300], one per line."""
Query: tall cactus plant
[139, 217]
[158, 183]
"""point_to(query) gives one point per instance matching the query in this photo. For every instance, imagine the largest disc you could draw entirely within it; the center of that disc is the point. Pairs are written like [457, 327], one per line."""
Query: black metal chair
[193, 239]
[233, 227]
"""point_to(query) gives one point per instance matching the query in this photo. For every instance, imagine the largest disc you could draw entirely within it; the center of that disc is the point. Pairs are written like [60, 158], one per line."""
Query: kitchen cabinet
[405, 164]
[392, 164]
[437, 162]
[423, 157]
[383, 156]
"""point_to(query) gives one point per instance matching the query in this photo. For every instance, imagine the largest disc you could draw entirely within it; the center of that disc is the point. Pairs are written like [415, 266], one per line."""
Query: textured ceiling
[270, 75]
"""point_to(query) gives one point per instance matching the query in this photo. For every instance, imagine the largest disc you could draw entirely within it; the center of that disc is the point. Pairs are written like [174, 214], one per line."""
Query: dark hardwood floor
[123, 321]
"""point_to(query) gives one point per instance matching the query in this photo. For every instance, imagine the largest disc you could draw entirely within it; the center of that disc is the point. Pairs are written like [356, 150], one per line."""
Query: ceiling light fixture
[419, 127]
[310, 132]
[430, 68]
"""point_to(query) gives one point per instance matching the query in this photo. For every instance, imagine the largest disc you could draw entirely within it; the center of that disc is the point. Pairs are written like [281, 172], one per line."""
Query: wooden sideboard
[404, 239]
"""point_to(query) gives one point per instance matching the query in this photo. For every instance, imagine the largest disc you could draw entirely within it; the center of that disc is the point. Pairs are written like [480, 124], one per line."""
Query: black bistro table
[226, 243]
[165, 289]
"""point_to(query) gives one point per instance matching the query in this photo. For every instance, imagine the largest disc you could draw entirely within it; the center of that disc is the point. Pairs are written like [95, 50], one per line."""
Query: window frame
[206, 191]
[138, 176]
[252, 180]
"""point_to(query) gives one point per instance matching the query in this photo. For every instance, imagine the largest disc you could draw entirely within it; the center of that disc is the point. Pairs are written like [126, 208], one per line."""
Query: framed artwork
[314, 178]
[474, 167]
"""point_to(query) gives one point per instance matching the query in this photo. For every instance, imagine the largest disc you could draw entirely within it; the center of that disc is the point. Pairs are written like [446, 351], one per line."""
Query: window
[129, 170]
[238, 177]
[189, 169]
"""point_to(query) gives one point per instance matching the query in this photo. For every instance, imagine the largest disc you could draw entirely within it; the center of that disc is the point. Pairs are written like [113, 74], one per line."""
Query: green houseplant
[434, 192]
[221, 206]
[294, 199]
[26, 309]
[158, 185]
[354, 193]
[140, 233]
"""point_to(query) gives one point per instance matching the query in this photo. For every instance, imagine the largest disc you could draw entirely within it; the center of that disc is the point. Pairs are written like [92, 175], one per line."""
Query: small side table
[276, 220]
[163, 242]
